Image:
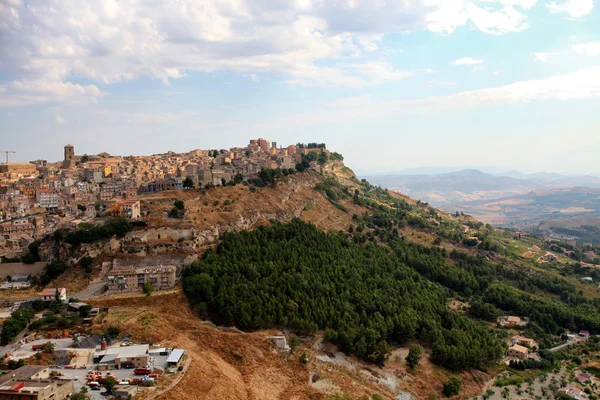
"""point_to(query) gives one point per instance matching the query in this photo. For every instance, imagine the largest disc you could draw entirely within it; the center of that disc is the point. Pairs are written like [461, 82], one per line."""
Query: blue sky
[511, 84]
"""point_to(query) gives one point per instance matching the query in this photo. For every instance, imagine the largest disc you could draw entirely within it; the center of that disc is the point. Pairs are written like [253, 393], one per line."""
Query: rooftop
[22, 373]
[175, 356]
[126, 351]
[520, 349]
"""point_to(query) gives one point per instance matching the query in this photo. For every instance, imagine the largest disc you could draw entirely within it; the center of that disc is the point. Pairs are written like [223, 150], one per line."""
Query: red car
[142, 371]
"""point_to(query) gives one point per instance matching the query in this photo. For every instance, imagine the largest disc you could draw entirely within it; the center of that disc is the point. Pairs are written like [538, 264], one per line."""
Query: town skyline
[511, 83]
[408, 170]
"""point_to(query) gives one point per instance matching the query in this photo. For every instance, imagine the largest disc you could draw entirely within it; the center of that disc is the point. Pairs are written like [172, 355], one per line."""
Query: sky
[391, 85]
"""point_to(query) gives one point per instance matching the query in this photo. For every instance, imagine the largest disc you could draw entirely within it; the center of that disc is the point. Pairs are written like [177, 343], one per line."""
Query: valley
[533, 203]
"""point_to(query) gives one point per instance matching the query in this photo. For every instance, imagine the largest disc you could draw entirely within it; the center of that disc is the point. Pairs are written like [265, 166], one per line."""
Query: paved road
[568, 344]
[92, 291]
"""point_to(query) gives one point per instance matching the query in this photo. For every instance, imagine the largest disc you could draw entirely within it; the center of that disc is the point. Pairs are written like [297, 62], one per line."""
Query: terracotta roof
[520, 349]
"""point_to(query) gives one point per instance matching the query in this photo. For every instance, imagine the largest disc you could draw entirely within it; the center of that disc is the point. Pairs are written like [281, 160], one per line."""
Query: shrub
[452, 386]
[148, 288]
[303, 358]
[414, 355]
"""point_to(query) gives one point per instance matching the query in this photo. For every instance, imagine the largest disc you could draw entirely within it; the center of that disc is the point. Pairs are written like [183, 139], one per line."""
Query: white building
[50, 294]
[47, 198]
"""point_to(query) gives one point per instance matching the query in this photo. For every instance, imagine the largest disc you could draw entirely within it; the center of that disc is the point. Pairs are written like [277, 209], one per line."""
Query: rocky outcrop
[283, 203]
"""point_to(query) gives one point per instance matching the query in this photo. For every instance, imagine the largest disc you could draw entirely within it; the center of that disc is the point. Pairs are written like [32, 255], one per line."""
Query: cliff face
[210, 213]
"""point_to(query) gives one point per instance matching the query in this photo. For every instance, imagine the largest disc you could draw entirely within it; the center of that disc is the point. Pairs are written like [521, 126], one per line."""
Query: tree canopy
[363, 295]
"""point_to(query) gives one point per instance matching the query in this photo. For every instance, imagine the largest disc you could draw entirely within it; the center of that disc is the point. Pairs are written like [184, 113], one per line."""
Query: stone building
[130, 279]
[519, 352]
[17, 168]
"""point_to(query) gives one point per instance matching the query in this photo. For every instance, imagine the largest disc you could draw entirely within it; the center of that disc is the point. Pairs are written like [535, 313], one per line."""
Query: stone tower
[69, 153]
[69, 160]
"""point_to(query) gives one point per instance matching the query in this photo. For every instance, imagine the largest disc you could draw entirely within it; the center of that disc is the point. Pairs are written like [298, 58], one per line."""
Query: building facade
[519, 352]
[130, 279]
[47, 198]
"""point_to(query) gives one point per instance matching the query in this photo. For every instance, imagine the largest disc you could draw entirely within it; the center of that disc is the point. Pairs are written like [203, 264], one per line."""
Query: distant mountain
[513, 174]
[471, 184]
[455, 187]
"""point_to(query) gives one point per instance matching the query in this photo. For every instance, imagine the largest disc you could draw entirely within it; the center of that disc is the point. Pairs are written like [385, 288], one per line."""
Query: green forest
[371, 289]
[362, 294]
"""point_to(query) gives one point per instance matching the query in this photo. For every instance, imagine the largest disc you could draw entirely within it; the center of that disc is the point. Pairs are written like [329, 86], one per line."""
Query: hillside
[228, 364]
[294, 253]
[513, 200]
[457, 187]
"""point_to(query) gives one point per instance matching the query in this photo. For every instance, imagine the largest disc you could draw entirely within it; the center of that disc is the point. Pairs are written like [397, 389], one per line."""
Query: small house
[575, 393]
[584, 334]
[519, 352]
[20, 278]
[175, 358]
[49, 295]
[524, 341]
[75, 306]
[122, 391]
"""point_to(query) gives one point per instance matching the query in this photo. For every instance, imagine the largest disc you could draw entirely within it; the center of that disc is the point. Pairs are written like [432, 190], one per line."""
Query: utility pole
[7, 153]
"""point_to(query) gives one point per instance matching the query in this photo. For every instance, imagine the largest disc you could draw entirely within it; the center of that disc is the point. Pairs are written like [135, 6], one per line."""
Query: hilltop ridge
[454, 257]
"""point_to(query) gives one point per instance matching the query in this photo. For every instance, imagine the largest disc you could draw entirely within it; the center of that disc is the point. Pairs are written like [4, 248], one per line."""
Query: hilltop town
[39, 197]
[142, 250]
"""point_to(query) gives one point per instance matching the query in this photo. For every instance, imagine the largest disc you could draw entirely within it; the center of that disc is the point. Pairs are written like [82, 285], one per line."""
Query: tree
[85, 158]
[86, 263]
[238, 178]
[148, 288]
[178, 210]
[294, 342]
[109, 383]
[112, 333]
[37, 305]
[452, 386]
[48, 347]
[414, 355]
[84, 311]
[57, 303]
[188, 183]
[81, 395]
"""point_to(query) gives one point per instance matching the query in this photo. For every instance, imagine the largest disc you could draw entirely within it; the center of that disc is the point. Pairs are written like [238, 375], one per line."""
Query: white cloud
[59, 119]
[542, 56]
[354, 75]
[575, 8]
[497, 22]
[581, 84]
[468, 61]
[22, 92]
[254, 78]
[589, 48]
[55, 41]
